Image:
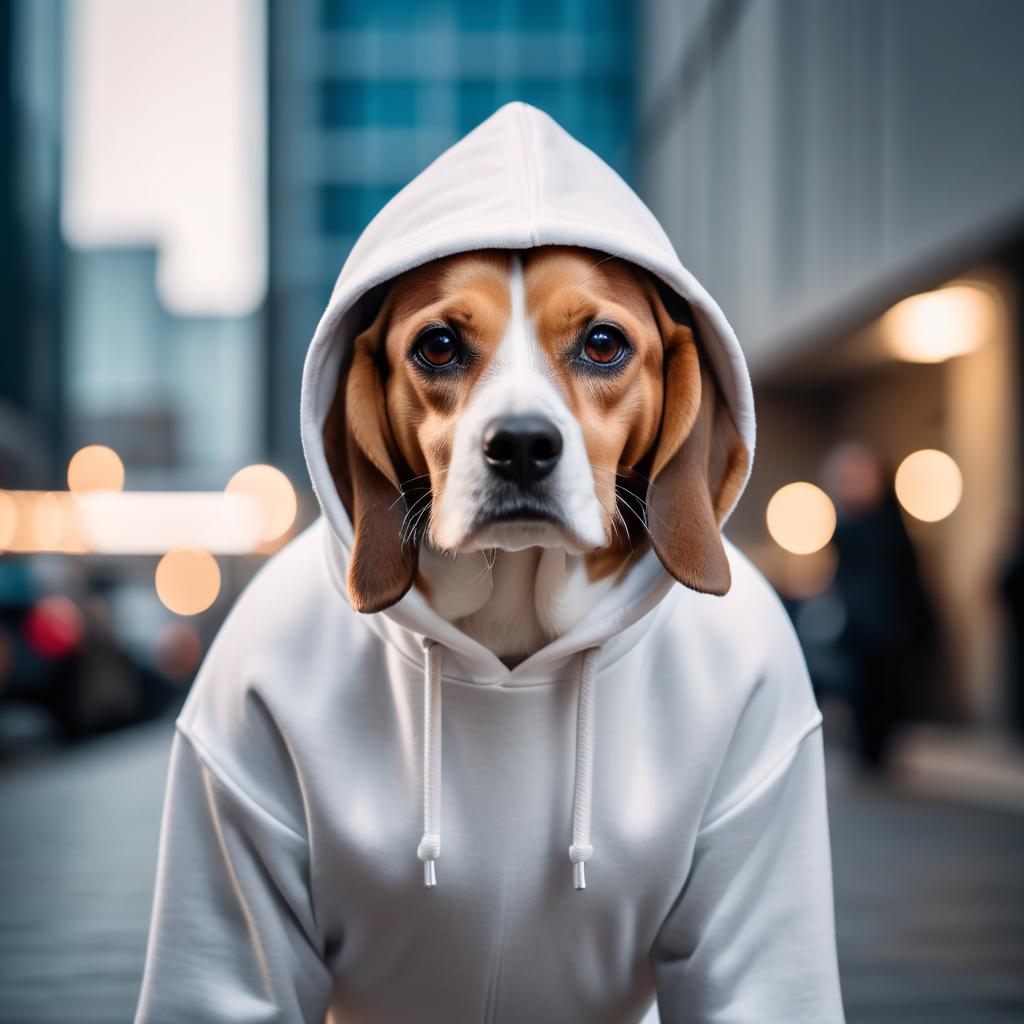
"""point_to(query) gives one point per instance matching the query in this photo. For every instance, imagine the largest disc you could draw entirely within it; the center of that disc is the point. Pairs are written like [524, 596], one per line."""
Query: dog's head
[554, 397]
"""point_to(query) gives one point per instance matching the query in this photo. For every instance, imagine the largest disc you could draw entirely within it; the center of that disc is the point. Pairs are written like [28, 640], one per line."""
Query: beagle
[515, 427]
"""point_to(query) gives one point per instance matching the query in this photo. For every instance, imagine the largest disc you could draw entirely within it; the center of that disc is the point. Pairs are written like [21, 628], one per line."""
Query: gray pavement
[930, 906]
[78, 834]
[930, 894]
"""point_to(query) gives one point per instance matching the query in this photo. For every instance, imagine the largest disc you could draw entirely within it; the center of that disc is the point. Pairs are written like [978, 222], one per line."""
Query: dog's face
[510, 400]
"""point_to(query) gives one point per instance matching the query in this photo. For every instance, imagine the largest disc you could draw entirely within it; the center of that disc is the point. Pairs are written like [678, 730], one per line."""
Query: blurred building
[176, 396]
[31, 249]
[363, 96]
[815, 164]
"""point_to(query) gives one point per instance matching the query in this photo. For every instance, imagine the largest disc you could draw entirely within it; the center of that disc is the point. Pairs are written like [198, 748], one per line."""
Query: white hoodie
[671, 735]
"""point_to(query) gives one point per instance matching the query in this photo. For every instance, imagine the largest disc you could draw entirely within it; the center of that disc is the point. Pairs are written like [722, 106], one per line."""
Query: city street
[930, 894]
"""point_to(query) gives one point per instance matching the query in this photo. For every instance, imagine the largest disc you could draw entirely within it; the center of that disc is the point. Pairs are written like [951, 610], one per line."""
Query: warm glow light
[95, 468]
[8, 519]
[130, 522]
[935, 326]
[188, 580]
[152, 522]
[48, 522]
[39, 521]
[929, 485]
[275, 494]
[801, 518]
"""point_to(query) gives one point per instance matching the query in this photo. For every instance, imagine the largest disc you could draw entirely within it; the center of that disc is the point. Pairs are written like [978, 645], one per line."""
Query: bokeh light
[935, 326]
[48, 522]
[275, 494]
[55, 627]
[188, 580]
[95, 468]
[8, 519]
[801, 518]
[929, 484]
[178, 650]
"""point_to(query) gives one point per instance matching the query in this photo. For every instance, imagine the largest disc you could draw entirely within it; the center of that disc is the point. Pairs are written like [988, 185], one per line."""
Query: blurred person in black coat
[889, 632]
[1011, 589]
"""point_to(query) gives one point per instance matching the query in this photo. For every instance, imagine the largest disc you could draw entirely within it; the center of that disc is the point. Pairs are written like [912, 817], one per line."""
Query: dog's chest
[512, 602]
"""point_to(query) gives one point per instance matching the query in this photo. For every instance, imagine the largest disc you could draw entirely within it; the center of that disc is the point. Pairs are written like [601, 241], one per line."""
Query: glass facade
[364, 96]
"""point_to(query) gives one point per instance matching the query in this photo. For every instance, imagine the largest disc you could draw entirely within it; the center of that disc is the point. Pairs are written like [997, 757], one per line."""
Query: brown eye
[437, 347]
[605, 345]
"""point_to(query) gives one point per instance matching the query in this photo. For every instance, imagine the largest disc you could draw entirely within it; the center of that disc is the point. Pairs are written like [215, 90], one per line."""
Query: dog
[524, 420]
[534, 419]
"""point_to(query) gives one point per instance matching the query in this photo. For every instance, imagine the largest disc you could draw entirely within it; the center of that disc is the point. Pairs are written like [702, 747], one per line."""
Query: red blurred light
[54, 627]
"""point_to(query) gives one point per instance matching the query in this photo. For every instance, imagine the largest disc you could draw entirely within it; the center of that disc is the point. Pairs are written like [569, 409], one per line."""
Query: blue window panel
[385, 14]
[477, 16]
[343, 104]
[547, 95]
[393, 104]
[540, 15]
[388, 104]
[339, 209]
[347, 209]
[477, 99]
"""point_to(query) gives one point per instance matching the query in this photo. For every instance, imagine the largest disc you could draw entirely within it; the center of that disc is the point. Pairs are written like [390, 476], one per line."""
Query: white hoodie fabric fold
[670, 741]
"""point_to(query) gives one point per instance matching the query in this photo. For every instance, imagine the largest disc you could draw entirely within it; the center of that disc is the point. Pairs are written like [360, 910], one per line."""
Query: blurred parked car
[60, 653]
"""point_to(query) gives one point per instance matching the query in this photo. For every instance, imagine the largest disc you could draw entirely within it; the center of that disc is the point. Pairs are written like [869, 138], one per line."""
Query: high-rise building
[31, 249]
[364, 95]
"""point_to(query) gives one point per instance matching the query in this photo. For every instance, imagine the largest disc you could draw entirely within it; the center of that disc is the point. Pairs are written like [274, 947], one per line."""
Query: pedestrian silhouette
[888, 634]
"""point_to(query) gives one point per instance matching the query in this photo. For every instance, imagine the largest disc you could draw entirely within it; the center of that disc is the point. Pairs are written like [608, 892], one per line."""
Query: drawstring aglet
[579, 875]
[429, 874]
[579, 854]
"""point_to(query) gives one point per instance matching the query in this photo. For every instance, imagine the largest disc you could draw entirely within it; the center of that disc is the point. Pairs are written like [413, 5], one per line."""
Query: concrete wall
[810, 158]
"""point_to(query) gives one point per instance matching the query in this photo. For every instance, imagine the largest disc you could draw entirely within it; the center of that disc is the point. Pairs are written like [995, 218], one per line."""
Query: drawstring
[430, 845]
[429, 848]
[583, 788]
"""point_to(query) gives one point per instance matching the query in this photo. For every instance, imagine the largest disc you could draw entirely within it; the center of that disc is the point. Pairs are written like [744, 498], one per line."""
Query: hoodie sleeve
[233, 935]
[751, 937]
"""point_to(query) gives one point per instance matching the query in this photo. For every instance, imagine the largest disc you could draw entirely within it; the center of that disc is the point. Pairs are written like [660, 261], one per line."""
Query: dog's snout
[523, 449]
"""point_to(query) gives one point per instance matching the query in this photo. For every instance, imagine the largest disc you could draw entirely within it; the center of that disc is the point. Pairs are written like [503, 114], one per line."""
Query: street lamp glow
[188, 580]
[95, 468]
[935, 326]
[801, 518]
[929, 485]
[275, 494]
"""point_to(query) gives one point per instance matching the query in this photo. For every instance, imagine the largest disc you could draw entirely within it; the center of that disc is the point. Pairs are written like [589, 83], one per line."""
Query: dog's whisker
[402, 494]
[617, 514]
[642, 510]
[628, 495]
[624, 495]
[488, 565]
[413, 479]
[412, 517]
[411, 537]
[631, 474]
[412, 508]
[612, 517]
[590, 273]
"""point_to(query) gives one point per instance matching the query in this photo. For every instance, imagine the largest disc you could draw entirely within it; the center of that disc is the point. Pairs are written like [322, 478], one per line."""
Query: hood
[516, 181]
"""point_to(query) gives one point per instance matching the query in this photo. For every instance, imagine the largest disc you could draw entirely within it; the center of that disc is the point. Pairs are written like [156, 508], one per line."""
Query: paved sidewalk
[930, 893]
[78, 833]
[930, 906]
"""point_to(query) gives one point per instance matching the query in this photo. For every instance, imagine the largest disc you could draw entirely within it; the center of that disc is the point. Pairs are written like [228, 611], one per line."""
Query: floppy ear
[698, 465]
[363, 456]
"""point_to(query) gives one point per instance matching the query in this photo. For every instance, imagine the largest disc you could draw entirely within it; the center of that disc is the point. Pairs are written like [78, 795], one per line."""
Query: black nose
[523, 449]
